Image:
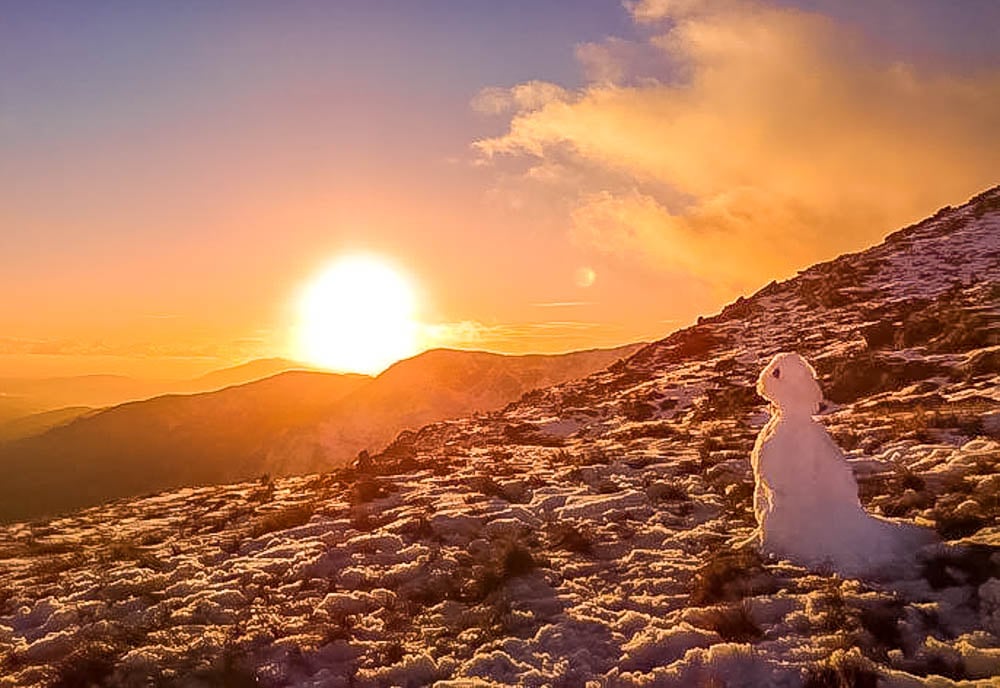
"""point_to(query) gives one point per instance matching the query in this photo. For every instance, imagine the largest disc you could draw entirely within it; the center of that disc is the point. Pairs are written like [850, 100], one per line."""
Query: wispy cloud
[523, 336]
[563, 304]
[526, 97]
[765, 139]
[238, 348]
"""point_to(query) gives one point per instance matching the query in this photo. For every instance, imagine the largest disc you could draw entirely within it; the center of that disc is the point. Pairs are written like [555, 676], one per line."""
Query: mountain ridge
[265, 426]
[99, 390]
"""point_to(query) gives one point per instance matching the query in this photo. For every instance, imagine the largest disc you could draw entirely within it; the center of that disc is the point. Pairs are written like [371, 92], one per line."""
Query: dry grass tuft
[734, 623]
[571, 538]
[510, 560]
[366, 490]
[290, 517]
[729, 576]
[842, 670]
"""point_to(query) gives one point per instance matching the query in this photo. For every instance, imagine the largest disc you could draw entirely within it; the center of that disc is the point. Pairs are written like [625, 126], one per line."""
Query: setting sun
[359, 315]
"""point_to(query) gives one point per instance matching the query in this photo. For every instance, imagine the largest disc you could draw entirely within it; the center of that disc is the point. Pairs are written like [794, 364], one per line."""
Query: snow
[805, 496]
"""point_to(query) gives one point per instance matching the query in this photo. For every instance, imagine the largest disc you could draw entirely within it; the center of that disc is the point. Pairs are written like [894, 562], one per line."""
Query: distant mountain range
[292, 422]
[23, 396]
[436, 385]
[246, 372]
[31, 424]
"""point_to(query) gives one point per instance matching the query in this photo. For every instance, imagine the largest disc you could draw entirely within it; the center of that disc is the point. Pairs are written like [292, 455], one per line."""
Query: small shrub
[90, 664]
[94, 655]
[659, 429]
[666, 492]
[738, 499]
[517, 561]
[53, 566]
[592, 456]
[399, 614]
[708, 446]
[734, 623]
[608, 486]
[362, 521]
[836, 616]
[908, 480]
[418, 528]
[728, 402]
[638, 411]
[123, 550]
[972, 564]
[570, 538]
[847, 378]
[881, 622]
[511, 559]
[291, 517]
[952, 525]
[151, 538]
[485, 582]
[338, 629]
[846, 438]
[730, 575]
[264, 491]
[640, 461]
[365, 490]
[486, 485]
[231, 670]
[391, 652]
[490, 488]
[693, 342]
[562, 457]
[529, 435]
[668, 404]
[841, 671]
[898, 494]
[927, 664]
[37, 547]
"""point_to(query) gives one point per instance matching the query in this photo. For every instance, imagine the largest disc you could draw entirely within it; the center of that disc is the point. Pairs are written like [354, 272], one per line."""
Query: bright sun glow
[359, 315]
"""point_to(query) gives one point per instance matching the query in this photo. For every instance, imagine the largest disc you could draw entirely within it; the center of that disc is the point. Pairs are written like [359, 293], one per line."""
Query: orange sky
[172, 178]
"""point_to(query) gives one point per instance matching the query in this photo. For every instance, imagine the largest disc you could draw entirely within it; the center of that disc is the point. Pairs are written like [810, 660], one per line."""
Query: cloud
[238, 348]
[521, 336]
[526, 97]
[654, 11]
[563, 304]
[768, 139]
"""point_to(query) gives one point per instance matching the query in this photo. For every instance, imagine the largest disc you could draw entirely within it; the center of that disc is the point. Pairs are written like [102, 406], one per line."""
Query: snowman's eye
[777, 372]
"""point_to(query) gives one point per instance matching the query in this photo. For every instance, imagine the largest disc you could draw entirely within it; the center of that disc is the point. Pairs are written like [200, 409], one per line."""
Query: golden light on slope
[359, 315]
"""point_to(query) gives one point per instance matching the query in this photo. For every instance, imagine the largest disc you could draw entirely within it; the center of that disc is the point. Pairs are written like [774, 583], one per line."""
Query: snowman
[805, 497]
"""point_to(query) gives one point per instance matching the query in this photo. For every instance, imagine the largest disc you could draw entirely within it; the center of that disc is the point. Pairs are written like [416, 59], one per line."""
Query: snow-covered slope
[585, 535]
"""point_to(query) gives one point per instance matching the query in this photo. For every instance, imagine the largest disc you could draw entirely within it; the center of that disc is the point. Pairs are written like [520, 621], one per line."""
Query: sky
[550, 175]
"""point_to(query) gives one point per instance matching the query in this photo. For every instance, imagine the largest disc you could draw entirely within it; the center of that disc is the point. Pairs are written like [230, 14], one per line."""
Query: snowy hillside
[585, 535]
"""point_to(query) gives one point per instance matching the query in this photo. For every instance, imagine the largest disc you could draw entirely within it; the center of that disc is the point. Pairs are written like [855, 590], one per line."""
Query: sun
[359, 315]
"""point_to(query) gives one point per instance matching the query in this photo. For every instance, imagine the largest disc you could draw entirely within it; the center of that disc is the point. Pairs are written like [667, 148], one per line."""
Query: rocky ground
[589, 534]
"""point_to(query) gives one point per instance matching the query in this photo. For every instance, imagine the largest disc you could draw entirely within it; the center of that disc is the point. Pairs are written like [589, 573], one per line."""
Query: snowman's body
[806, 497]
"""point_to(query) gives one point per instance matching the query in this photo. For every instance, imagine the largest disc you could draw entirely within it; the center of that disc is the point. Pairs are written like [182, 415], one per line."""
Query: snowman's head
[789, 382]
